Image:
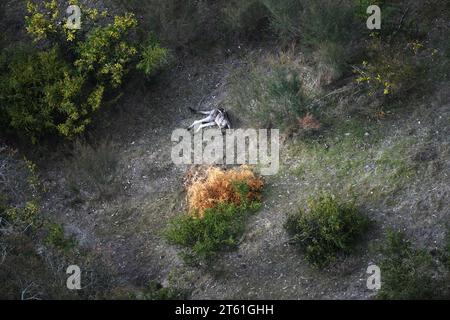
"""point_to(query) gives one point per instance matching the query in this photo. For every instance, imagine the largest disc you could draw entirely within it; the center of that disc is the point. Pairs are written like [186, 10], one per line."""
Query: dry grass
[216, 186]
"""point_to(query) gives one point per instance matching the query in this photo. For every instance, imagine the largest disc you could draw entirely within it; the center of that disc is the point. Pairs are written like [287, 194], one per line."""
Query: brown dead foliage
[309, 122]
[208, 187]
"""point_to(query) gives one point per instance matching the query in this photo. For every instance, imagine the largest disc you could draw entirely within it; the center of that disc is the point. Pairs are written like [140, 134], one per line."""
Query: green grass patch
[353, 159]
[326, 230]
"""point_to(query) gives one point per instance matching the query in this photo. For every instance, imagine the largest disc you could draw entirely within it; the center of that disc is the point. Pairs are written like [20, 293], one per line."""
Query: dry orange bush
[217, 186]
[308, 122]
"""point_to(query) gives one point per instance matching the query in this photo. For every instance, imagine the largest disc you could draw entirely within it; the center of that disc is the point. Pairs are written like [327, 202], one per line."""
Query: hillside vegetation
[86, 175]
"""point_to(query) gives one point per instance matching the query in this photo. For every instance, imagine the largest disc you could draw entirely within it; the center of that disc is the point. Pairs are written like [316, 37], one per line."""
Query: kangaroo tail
[227, 118]
[193, 110]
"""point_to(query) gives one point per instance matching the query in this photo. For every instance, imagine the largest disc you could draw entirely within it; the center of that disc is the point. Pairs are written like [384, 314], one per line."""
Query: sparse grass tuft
[326, 230]
[55, 238]
[155, 291]
[93, 170]
[272, 96]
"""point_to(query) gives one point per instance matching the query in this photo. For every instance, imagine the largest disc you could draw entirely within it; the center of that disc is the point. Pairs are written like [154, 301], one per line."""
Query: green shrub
[37, 91]
[327, 229]
[406, 272]
[179, 24]
[312, 21]
[153, 58]
[106, 52]
[396, 71]
[218, 230]
[332, 59]
[57, 88]
[55, 238]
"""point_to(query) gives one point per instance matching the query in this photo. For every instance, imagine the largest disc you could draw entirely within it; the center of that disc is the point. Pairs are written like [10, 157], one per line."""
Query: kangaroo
[214, 117]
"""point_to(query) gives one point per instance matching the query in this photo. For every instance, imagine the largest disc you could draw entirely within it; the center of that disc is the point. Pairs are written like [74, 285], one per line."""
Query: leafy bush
[153, 58]
[407, 56]
[219, 207]
[219, 229]
[406, 272]
[328, 21]
[327, 229]
[285, 17]
[34, 90]
[57, 88]
[312, 21]
[397, 71]
[332, 61]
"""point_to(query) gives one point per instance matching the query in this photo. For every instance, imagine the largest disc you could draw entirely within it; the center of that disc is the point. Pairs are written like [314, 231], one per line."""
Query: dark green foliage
[55, 88]
[218, 230]
[34, 88]
[328, 21]
[153, 58]
[179, 24]
[329, 228]
[406, 272]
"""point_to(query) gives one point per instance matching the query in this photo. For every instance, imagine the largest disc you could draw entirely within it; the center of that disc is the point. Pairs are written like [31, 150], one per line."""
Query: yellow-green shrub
[106, 51]
[395, 71]
[153, 58]
[56, 89]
